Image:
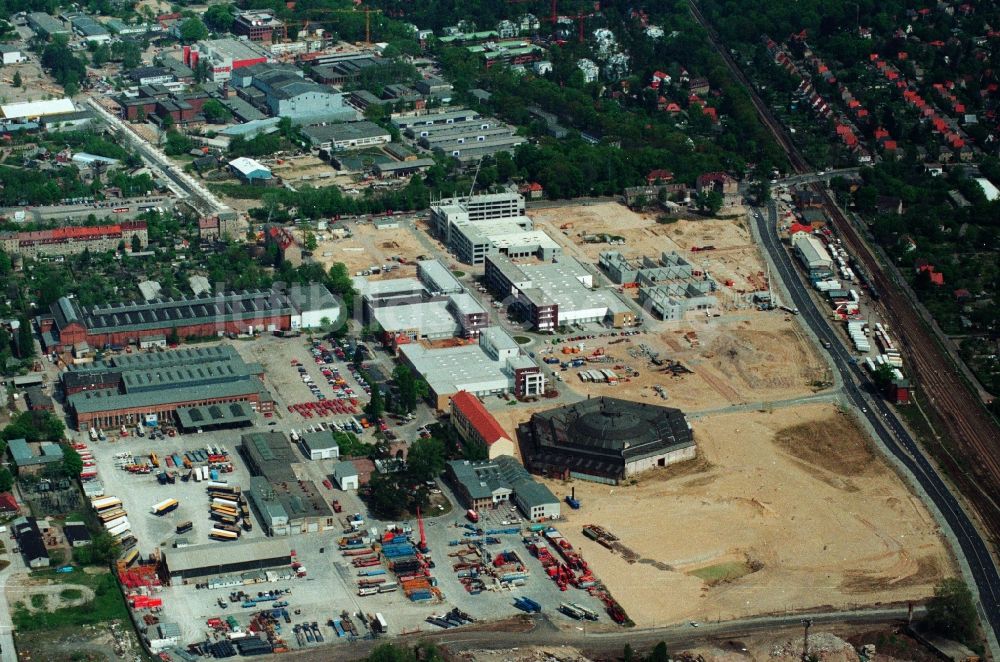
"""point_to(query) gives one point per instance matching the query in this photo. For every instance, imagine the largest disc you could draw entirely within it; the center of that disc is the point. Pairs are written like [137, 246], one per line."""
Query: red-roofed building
[937, 278]
[476, 425]
[74, 239]
[288, 249]
[659, 175]
[712, 114]
[532, 190]
[797, 228]
[8, 504]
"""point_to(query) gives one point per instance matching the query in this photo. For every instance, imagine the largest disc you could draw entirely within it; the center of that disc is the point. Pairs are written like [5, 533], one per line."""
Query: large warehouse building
[554, 294]
[186, 564]
[607, 440]
[494, 365]
[133, 389]
[69, 323]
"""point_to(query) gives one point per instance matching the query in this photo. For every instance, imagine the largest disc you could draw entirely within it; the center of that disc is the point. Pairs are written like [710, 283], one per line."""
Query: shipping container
[111, 515]
[184, 527]
[111, 524]
[381, 623]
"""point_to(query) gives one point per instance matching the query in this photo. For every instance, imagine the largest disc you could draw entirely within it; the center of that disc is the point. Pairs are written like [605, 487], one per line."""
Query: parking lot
[139, 492]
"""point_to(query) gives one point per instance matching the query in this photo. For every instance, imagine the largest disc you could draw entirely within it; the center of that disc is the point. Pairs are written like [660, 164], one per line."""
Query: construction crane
[579, 18]
[368, 11]
[422, 547]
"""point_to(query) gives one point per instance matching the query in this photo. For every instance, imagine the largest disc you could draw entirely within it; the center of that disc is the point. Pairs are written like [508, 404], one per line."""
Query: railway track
[956, 405]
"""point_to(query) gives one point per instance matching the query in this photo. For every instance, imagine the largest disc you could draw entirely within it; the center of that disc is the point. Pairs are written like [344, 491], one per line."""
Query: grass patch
[38, 601]
[71, 594]
[722, 572]
[458, 274]
[522, 340]
[108, 603]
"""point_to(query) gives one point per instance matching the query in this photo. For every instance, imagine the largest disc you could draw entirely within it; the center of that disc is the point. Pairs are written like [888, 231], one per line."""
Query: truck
[380, 623]
[472, 515]
[165, 506]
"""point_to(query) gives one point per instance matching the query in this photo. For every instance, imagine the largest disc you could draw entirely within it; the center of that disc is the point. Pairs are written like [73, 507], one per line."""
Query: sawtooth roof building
[158, 387]
[106, 325]
[606, 439]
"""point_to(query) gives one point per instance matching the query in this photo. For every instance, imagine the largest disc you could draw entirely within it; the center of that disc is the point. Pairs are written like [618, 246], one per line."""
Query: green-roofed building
[151, 387]
[27, 461]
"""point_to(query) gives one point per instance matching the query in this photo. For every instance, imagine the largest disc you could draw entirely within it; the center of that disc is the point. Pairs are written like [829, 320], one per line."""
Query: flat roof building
[133, 389]
[606, 439]
[492, 366]
[30, 542]
[286, 501]
[46, 25]
[450, 116]
[36, 109]
[320, 445]
[554, 294]
[346, 135]
[185, 564]
[259, 25]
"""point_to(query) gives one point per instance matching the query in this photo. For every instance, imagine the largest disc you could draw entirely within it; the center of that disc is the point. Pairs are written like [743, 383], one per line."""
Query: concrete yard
[782, 511]
[369, 246]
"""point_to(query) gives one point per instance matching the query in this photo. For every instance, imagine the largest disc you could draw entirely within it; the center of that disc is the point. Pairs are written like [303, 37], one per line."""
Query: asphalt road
[892, 434]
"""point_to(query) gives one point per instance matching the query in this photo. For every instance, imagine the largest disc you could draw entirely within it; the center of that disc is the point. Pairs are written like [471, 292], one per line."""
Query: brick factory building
[74, 239]
[134, 389]
[210, 315]
[606, 439]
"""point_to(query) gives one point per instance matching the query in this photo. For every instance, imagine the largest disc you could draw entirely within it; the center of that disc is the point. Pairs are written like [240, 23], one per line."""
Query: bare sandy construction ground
[782, 511]
[751, 357]
[369, 246]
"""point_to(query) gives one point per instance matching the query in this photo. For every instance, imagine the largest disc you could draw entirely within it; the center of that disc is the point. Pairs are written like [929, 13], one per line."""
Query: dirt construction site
[782, 511]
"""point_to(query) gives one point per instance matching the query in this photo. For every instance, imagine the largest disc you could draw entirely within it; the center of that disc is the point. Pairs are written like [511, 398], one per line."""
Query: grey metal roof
[318, 441]
[20, 451]
[343, 470]
[197, 557]
[229, 413]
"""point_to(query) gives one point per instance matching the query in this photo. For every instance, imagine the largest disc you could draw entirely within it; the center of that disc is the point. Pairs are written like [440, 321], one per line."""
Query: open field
[782, 511]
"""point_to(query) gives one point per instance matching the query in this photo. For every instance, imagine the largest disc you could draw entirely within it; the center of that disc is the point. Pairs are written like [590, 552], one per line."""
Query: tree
[387, 496]
[6, 479]
[709, 201]
[309, 241]
[951, 612]
[219, 17]
[426, 459]
[173, 338]
[659, 653]
[358, 358]
[102, 550]
[376, 405]
[193, 30]
[100, 56]
[136, 243]
[25, 339]
[215, 112]
[410, 388]
[16, 81]
[67, 69]
[72, 463]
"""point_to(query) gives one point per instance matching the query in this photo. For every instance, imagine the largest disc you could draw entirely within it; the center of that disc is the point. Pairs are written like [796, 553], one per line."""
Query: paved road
[201, 198]
[892, 434]
[9, 653]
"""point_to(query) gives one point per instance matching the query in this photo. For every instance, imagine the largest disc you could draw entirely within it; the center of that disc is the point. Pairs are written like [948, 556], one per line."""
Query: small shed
[77, 534]
[346, 475]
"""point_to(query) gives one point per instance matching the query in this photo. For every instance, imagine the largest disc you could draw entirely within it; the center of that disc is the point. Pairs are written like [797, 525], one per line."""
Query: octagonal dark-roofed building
[607, 439]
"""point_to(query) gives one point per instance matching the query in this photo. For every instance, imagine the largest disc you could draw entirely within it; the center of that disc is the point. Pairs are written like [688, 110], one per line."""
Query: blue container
[214, 473]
